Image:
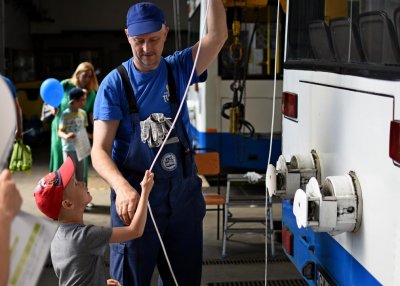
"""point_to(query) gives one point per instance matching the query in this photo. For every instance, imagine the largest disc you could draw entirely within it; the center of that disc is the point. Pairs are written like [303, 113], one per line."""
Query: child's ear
[66, 204]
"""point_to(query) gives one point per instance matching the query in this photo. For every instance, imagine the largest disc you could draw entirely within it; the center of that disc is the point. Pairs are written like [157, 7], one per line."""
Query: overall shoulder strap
[173, 99]
[129, 93]
[171, 85]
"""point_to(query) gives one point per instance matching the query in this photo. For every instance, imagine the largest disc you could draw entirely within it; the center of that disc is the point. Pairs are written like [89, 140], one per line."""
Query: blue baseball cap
[76, 93]
[143, 18]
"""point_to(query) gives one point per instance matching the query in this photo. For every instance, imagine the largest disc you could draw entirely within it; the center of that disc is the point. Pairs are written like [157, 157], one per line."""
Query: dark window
[345, 36]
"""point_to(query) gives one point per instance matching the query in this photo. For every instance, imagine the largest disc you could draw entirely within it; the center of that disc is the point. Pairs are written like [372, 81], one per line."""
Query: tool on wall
[236, 115]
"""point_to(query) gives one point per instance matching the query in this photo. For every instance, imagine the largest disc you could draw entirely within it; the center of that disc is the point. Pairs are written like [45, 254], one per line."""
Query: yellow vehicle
[31, 104]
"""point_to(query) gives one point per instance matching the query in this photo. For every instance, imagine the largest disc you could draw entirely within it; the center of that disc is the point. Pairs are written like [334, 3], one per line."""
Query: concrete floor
[245, 256]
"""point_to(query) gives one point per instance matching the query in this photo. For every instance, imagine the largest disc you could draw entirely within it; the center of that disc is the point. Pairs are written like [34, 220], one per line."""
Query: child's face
[79, 103]
[82, 101]
[77, 193]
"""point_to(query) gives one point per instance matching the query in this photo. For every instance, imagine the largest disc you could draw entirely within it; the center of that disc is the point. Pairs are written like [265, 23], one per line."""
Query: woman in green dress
[83, 77]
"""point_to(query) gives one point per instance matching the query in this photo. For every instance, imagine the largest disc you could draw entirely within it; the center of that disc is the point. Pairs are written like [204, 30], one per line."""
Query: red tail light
[287, 240]
[394, 143]
[289, 104]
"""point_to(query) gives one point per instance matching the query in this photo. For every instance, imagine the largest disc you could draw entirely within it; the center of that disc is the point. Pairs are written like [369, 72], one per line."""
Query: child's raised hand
[147, 182]
[10, 198]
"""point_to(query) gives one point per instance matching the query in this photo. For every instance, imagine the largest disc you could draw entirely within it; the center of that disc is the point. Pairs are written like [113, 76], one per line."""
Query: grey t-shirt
[77, 253]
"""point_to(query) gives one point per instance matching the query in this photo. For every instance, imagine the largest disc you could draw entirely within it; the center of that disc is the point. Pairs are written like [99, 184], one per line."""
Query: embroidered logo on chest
[169, 162]
[166, 94]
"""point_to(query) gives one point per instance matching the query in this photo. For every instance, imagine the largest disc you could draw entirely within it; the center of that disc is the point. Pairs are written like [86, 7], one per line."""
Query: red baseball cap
[50, 189]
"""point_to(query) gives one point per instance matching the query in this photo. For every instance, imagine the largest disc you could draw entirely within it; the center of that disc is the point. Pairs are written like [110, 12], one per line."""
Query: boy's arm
[61, 133]
[61, 129]
[136, 227]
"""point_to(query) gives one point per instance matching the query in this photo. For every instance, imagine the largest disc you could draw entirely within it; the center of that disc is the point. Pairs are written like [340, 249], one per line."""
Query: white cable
[185, 94]
[350, 31]
[267, 198]
[166, 138]
[177, 24]
[286, 30]
[173, 8]
[162, 244]
[178, 18]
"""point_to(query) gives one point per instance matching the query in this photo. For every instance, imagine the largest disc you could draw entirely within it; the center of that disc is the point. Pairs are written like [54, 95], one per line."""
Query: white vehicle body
[345, 110]
[346, 120]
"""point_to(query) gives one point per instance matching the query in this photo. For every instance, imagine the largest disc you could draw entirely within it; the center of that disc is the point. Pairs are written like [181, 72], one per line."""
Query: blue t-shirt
[151, 92]
[10, 86]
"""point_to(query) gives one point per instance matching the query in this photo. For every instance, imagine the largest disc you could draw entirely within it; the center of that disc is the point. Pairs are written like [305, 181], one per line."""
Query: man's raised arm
[213, 41]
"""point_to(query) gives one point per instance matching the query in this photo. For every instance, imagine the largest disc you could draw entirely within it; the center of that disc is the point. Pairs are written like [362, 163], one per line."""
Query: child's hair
[76, 93]
[50, 189]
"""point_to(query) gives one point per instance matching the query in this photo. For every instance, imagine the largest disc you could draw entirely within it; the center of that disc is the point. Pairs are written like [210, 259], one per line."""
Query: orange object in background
[245, 3]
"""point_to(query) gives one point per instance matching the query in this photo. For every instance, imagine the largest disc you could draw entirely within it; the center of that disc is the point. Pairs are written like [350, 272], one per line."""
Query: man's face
[147, 49]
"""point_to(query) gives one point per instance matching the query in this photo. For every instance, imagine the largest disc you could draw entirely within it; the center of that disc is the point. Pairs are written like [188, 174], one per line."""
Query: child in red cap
[77, 250]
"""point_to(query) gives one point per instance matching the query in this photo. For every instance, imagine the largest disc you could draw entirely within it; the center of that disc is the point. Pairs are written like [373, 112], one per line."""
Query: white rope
[166, 138]
[178, 19]
[267, 198]
[177, 24]
[185, 94]
[350, 31]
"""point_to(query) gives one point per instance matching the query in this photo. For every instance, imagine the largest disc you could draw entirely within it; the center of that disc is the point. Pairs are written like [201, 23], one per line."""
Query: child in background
[77, 250]
[72, 121]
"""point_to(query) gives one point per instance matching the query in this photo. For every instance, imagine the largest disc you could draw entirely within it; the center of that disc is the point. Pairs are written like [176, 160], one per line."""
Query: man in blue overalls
[134, 107]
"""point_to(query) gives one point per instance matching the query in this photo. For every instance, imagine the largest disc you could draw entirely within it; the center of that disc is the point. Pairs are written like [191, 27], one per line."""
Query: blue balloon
[52, 92]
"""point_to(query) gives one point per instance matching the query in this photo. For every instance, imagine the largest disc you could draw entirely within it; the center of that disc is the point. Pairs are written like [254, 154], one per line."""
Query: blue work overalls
[176, 202]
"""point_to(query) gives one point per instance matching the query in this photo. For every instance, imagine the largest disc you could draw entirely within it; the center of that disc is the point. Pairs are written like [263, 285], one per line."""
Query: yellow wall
[30, 100]
[335, 8]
